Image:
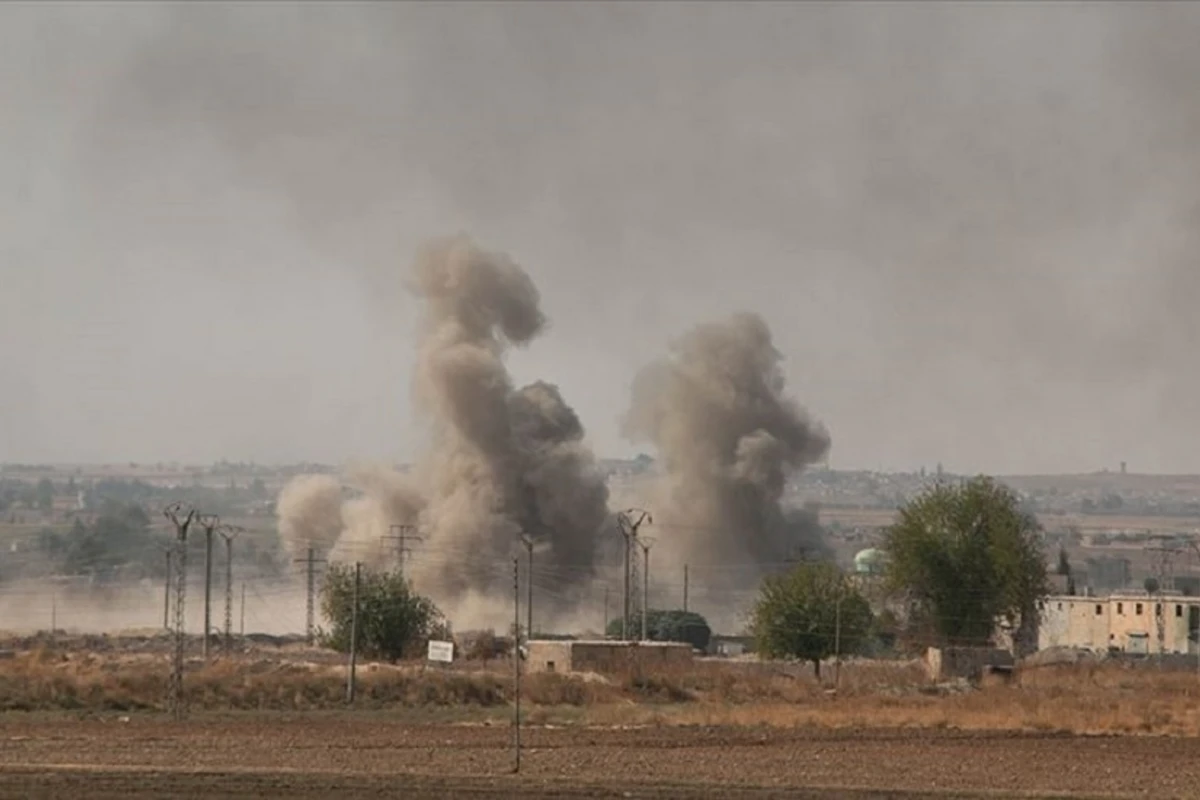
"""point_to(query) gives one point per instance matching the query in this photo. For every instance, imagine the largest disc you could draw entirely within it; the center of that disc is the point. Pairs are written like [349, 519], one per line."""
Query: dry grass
[1078, 699]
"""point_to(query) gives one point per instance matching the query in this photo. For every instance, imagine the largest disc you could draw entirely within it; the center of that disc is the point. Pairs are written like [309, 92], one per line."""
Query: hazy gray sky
[972, 228]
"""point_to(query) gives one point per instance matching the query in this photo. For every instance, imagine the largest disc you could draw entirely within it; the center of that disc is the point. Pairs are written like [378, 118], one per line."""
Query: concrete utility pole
[645, 545]
[604, 630]
[209, 522]
[228, 532]
[628, 522]
[1165, 554]
[310, 560]
[837, 639]
[350, 674]
[516, 652]
[182, 519]
[400, 534]
[685, 587]
[528, 542]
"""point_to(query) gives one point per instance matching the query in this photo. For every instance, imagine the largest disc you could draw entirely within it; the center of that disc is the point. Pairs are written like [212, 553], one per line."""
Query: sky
[972, 228]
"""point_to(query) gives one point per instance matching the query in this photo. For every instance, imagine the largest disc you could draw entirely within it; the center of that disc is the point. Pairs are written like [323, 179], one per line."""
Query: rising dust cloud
[507, 463]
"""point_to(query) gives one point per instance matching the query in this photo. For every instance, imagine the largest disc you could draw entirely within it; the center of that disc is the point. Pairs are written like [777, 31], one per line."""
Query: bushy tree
[967, 556]
[668, 626]
[393, 620]
[811, 612]
[119, 539]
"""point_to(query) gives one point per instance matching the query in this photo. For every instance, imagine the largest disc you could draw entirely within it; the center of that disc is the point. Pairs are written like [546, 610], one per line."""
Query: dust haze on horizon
[969, 228]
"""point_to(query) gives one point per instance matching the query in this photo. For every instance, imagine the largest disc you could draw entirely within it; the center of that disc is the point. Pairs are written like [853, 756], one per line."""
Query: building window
[1178, 610]
[1137, 609]
[1121, 608]
[1060, 606]
[1158, 609]
[1099, 609]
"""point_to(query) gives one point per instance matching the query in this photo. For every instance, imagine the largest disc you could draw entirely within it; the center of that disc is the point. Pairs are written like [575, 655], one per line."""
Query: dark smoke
[504, 462]
[728, 437]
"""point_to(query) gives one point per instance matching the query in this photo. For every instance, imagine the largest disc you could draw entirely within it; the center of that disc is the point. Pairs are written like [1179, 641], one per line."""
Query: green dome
[869, 562]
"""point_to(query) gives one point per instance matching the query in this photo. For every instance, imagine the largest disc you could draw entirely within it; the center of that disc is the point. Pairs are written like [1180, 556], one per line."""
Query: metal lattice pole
[628, 522]
[228, 532]
[311, 561]
[182, 521]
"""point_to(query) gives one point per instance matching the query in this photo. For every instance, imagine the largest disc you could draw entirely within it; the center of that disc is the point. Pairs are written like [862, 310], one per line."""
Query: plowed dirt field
[341, 756]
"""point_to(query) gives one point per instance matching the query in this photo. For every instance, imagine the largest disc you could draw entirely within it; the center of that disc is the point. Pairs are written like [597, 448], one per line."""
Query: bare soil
[387, 755]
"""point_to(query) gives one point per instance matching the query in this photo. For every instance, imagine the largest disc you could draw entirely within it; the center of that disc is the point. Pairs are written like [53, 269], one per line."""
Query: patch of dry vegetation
[1077, 699]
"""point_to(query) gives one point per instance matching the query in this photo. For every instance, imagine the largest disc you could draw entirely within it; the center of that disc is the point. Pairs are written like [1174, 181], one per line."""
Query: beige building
[1128, 622]
[604, 656]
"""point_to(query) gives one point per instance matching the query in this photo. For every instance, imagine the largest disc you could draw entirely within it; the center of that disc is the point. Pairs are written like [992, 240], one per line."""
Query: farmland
[271, 720]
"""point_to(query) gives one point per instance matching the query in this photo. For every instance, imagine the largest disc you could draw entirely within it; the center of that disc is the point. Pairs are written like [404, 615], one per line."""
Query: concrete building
[1127, 622]
[604, 656]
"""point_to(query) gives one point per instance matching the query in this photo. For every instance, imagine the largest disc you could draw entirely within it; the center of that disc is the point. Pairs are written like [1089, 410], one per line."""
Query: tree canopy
[811, 612]
[393, 620]
[669, 626]
[968, 557]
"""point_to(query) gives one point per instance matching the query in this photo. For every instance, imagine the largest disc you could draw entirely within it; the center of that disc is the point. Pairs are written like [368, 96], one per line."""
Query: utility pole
[311, 561]
[167, 595]
[350, 674]
[182, 520]
[837, 640]
[401, 534]
[628, 522]
[1165, 553]
[604, 630]
[242, 627]
[228, 532]
[645, 545]
[528, 542]
[516, 651]
[685, 587]
[209, 522]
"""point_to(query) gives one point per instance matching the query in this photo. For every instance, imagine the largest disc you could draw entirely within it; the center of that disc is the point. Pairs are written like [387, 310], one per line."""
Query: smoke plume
[310, 513]
[505, 462]
[727, 436]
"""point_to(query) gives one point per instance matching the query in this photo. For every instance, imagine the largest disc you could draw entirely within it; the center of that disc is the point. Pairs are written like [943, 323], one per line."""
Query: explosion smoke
[310, 514]
[727, 437]
[504, 463]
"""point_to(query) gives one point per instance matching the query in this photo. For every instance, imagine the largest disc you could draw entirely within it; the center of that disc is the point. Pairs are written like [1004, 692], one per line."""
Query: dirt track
[323, 756]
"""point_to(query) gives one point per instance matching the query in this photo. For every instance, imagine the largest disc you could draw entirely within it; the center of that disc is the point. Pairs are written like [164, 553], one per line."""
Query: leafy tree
[121, 536]
[393, 620]
[967, 556]
[811, 612]
[1064, 568]
[45, 494]
[669, 626]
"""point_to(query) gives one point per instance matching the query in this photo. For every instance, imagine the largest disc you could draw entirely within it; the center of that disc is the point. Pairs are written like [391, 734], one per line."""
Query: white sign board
[441, 651]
